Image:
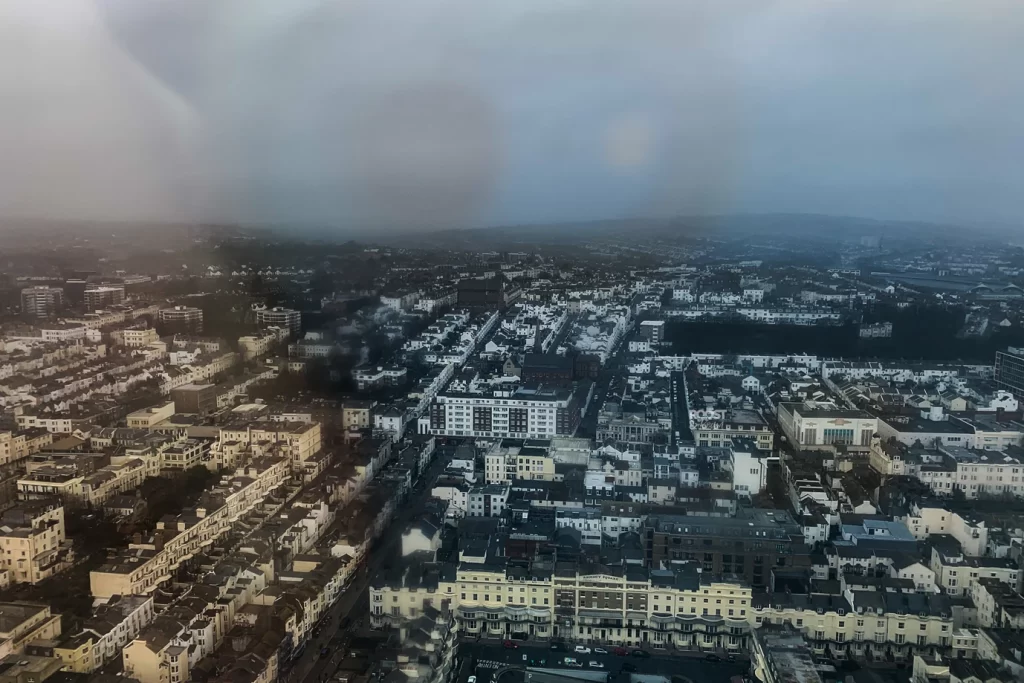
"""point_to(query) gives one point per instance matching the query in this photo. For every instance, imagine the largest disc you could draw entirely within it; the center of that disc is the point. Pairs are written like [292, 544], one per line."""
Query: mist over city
[355, 116]
[525, 342]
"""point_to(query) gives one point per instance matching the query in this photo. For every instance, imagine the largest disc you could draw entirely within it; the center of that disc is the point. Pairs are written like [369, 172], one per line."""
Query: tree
[256, 286]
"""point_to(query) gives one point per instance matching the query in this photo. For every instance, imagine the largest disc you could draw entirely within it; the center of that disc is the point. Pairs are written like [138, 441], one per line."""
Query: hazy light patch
[629, 142]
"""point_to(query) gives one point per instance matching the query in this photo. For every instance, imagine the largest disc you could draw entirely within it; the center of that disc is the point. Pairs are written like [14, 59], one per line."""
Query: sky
[374, 115]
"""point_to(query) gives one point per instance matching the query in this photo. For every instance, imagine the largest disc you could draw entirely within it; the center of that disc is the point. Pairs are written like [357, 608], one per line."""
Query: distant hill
[716, 227]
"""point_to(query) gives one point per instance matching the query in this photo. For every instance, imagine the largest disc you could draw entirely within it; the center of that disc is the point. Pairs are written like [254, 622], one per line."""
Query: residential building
[957, 573]
[526, 413]
[1009, 370]
[933, 428]
[749, 467]
[487, 501]
[29, 668]
[488, 292]
[160, 654]
[257, 345]
[924, 522]
[98, 297]
[652, 331]
[195, 399]
[356, 414]
[32, 541]
[780, 654]
[512, 459]
[18, 445]
[147, 418]
[548, 369]
[41, 302]
[602, 605]
[400, 301]
[25, 622]
[61, 332]
[181, 320]
[998, 605]
[279, 317]
[144, 566]
[367, 378]
[721, 427]
[974, 473]
[114, 624]
[751, 545]
[862, 622]
[139, 338]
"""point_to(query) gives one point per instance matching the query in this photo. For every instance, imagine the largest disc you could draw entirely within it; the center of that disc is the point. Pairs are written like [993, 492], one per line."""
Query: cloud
[384, 114]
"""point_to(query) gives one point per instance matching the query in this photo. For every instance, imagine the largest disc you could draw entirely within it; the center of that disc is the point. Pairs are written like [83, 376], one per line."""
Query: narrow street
[354, 601]
[588, 423]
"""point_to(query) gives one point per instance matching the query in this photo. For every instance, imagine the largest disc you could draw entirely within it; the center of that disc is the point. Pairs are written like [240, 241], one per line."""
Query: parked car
[712, 657]
[594, 664]
[558, 646]
[641, 653]
[620, 651]
[510, 645]
[571, 661]
[628, 667]
[600, 651]
[582, 650]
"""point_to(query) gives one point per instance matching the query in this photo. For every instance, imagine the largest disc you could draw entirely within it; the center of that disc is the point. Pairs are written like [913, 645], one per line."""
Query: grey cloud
[358, 114]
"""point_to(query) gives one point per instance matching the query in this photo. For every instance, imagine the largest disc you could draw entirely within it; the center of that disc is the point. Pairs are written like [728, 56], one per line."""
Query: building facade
[542, 413]
[280, 317]
[1009, 371]
[182, 319]
[41, 302]
[749, 545]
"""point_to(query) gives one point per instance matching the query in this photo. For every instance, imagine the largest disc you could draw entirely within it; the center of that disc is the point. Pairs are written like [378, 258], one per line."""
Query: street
[588, 423]
[354, 602]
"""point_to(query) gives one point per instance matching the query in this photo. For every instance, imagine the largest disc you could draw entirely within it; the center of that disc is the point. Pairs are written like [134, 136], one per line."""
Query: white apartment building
[973, 472]
[431, 302]
[957, 573]
[287, 318]
[487, 501]
[924, 522]
[137, 338]
[115, 624]
[182, 318]
[587, 521]
[379, 376]
[400, 301]
[541, 413]
[749, 466]
[61, 332]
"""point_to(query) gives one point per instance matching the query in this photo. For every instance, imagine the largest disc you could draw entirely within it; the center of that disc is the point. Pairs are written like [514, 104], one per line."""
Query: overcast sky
[452, 113]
